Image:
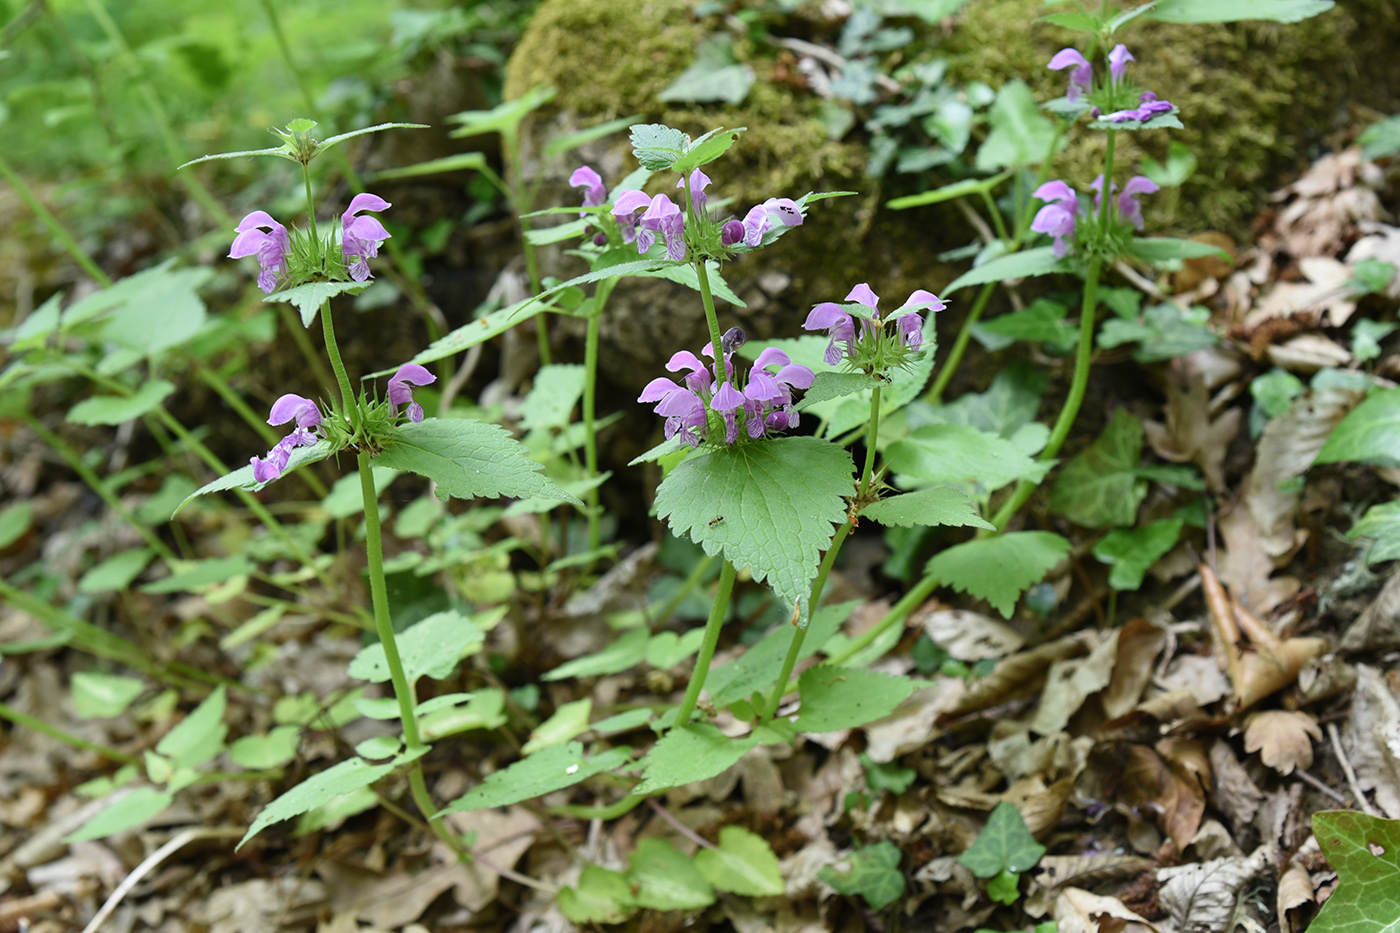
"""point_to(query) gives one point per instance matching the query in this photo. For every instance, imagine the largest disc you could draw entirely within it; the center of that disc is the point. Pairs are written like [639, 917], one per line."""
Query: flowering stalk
[718, 610]
[590, 395]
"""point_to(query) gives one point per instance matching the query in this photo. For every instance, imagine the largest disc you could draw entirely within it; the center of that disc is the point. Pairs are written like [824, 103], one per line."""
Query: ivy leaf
[1132, 552]
[874, 875]
[1005, 844]
[1005, 888]
[843, 697]
[468, 459]
[350, 775]
[430, 648]
[1099, 486]
[999, 569]
[777, 502]
[1365, 851]
[743, 864]
[118, 409]
[937, 505]
[665, 879]
[657, 146]
[690, 753]
[555, 768]
[1370, 433]
[308, 298]
[602, 896]
[955, 453]
[1382, 523]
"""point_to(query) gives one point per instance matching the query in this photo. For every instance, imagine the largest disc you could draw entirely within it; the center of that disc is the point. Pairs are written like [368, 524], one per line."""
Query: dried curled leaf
[1282, 738]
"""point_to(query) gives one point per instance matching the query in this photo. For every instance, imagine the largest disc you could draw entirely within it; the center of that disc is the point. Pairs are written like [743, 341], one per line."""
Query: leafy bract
[1370, 433]
[1130, 552]
[954, 453]
[468, 459]
[430, 648]
[690, 753]
[242, 478]
[665, 879]
[1020, 134]
[830, 385]
[936, 505]
[1029, 262]
[657, 146]
[844, 697]
[1381, 523]
[308, 298]
[874, 875]
[1005, 844]
[1098, 486]
[1365, 852]
[350, 775]
[1231, 11]
[116, 409]
[743, 864]
[779, 500]
[555, 768]
[999, 569]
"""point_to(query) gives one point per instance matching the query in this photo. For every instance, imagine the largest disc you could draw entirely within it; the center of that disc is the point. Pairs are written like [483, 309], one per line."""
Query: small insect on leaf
[716, 520]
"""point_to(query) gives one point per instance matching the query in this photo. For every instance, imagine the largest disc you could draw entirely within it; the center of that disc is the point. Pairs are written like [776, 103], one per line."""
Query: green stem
[955, 355]
[864, 489]
[712, 320]
[621, 808]
[292, 322]
[590, 397]
[911, 601]
[53, 732]
[996, 215]
[718, 610]
[310, 207]
[347, 394]
[55, 227]
[784, 687]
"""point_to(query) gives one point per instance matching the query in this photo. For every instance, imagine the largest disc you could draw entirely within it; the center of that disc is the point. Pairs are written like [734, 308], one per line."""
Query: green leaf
[557, 388]
[664, 879]
[308, 298]
[843, 697]
[1381, 523]
[709, 147]
[715, 76]
[15, 520]
[1005, 888]
[158, 309]
[743, 864]
[317, 790]
[1027, 263]
[937, 505]
[690, 753]
[555, 768]
[118, 409]
[569, 721]
[562, 144]
[273, 750]
[200, 735]
[469, 459]
[1132, 552]
[192, 575]
[757, 668]
[1079, 22]
[999, 569]
[1232, 11]
[379, 747]
[461, 162]
[957, 189]
[1161, 249]
[874, 875]
[1381, 139]
[955, 453]
[1010, 402]
[888, 776]
[1365, 852]
[1160, 121]
[243, 476]
[684, 274]
[430, 648]
[484, 710]
[1005, 844]
[1275, 391]
[484, 328]
[667, 649]
[98, 695]
[1165, 331]
[656, 146]
[1370, 433]
[347, 497]
[622, 653]
[779, 500]
[504, 118]
[132, 809]
[827, 386]
[1020, 134]
[602, 896]
[1099, 487]
[1180, 166]
[1370, 277]
[116, 572]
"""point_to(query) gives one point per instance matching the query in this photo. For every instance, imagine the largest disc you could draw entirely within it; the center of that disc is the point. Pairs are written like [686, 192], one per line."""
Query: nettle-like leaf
[308, 298]
[1381, 523]
[555, 768]
[1020, 134]
[152, 311]
[1161, 249]
[844, 697]
[1131, 552]
[1099, 486]
[484, 328]
[830, 385]
[999, 569]
[1004, 845]
[118, 409]
[468, 459]
[743, 864]
[1165, 331]
[430, 648]
[665, 879]
[769, 506]
[1370, 433]
[657, 146]
[1043, 321]
[936, 505]
[955, 453]
[1009, 404]
[688, 754]
[1365, 851]
[874, 875]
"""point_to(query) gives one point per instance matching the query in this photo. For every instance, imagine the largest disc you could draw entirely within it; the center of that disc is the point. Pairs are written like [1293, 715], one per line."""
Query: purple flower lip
[307, 416]
[360, 236]
[271, 248]
[401, 389]
[1081, 77]
[1118, 61]
[592, 184]
[1059, 216]
[698, 182]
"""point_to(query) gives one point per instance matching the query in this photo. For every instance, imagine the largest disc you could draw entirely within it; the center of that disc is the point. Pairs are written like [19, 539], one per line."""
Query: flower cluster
[1060, 215]
[307, 417]
[261, 236]
[862, 347]
[764, 403]
[1081, 83]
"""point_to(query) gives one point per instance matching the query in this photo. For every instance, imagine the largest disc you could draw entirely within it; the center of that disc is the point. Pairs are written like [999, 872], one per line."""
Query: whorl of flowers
[1111, 96]
[284, 260]
[861, 345]
[1062, 212]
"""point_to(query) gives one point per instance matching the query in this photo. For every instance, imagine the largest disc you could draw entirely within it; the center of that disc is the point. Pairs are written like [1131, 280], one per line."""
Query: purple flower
[697, 378]
[592, 184]
[287, 408]
[909, 323]
[401, 391]
[1118, 61]
[683, 408]
[1059, 216]
[759, 219]
[271, 248]
[360, 236]
[829, 316]
[628, 210]
[731, 233]
[665, 218]
[698, 182]
[1081, 79]
[785, 210]
[1128, 206]
[1149, 106]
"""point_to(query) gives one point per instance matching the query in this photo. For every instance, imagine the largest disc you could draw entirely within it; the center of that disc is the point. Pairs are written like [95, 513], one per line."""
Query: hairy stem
[718, 611]
[712, 319]
[55, 227]
[347, 394]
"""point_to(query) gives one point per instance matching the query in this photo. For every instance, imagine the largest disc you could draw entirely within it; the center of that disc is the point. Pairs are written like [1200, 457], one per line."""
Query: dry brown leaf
[913, 724]
[1196, 676]
[1079, 911]
[1202, 896]
[1057, 871]
[1373, 738]
[1190, 433]
[1333, 196]
[1326, 292]
[1246, 567]
[1139, 643]
[1295, 889]
[1070, 682]
[1232, 791]
[1307, 353]
[1053, 756]
[1378, 627]
[971, 636]
[1153, 787]
[1282, 738]
[1021, 674]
